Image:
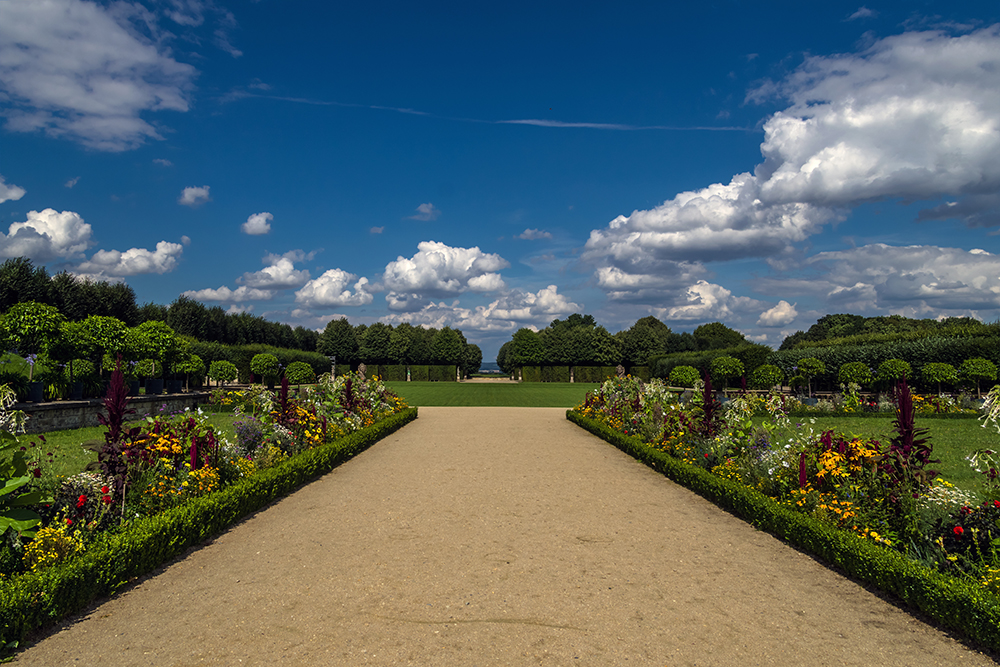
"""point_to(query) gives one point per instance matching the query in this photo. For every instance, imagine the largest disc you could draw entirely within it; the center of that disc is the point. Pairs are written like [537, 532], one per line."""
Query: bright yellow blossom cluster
[51, 545]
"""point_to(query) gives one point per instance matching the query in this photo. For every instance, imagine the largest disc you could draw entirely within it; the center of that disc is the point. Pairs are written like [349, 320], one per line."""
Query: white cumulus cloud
[778, 316]
[135, 261]
[280, 273]
[334, 288]
[438, 270]
[86, 72]
[706, 302]
[257, 224]
[10, 192]
[46, 235]
[194, 196]
[534, 235]
[227, 295]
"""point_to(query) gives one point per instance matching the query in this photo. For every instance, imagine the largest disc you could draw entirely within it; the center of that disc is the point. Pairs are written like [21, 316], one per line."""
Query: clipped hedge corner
[955, 604]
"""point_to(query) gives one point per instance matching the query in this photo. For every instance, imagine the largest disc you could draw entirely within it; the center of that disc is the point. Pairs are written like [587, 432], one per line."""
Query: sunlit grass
[504, 394]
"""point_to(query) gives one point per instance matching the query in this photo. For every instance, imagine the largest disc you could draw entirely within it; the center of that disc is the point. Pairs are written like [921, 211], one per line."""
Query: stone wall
[62, 415]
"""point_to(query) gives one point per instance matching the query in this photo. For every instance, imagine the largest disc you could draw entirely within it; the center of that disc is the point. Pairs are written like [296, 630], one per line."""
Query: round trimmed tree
[267, 367]
[766, 376]
[810, 367]
[891, 370]
[939, 373]
[683, 376]
[976, 370]
[725, 368]
[223, 371]
[300, 373]
[856, 372]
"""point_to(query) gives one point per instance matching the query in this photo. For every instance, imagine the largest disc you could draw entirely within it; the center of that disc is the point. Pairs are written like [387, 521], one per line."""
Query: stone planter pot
[133, 387]
[154, 386]
[76, 391]
[175, 386]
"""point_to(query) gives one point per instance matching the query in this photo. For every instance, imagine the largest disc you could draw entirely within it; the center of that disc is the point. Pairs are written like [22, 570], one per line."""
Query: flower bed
[873, 509]
[168, 486]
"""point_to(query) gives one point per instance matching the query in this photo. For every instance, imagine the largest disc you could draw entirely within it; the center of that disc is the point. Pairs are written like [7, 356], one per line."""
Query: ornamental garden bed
[163, 487]
[873, 508]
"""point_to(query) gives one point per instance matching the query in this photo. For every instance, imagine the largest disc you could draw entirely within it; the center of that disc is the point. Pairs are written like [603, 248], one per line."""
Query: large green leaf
[19, 519]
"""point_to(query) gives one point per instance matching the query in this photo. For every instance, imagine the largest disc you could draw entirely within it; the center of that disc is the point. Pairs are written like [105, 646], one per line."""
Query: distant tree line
[580, 341]
[846, 329]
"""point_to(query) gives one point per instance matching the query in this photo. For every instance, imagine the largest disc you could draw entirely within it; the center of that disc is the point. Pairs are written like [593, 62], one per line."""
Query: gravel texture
[495, 536]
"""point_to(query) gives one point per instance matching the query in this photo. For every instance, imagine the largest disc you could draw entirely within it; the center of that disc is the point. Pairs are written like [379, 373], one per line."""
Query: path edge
[961, 607]
[33, 601]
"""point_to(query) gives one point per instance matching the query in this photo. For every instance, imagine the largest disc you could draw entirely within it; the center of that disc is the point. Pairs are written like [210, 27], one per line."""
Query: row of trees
[382, 344]
[841, 326]
[76, 299]
[580, 341]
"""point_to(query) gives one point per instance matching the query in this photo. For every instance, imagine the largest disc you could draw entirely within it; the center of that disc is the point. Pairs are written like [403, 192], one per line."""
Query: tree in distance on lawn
[683, 376]
[300, 373]
[339, 340]
[267, 367]
[976, 370]
[766, 376]
[810, 367]
[891, 371]
[940, 373]
[223, 371]
[856, 372]
[726, 368]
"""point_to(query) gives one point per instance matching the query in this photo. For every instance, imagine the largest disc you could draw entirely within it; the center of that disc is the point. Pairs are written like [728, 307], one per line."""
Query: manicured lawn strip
[478, 394]
[959, 605]
[31, 601]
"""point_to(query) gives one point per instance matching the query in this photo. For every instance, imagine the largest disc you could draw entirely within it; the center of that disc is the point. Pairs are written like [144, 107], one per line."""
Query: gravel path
[495, 536]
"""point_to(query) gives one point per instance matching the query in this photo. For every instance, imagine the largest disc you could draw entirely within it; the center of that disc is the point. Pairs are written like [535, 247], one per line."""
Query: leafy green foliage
[223, 371]
[266, 366]
[856, 372]
[892, 370]
[726, 368]
[939, 373]
[766, 376]
[978, 369]
[717, 336]
[684, 376]
[299, 372]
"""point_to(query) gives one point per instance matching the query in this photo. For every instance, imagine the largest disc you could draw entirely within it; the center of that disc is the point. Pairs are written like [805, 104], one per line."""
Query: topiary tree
[300, 373]
[223, 371]
[856, 372]
[267, 367]
[976, 370]
[106, 334]
[939, 372]
[810, 367]
[192, 364]
[725, 368]
[30, 328]
[684, 376]
[766, 376]
[891, 370]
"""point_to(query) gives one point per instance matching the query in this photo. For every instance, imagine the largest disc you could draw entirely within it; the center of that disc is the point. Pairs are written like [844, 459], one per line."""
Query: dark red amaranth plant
[110, 457]
[909, 451]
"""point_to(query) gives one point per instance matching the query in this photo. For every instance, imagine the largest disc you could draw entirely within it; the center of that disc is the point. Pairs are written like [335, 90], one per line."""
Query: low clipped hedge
[961, 606]
[33, 600]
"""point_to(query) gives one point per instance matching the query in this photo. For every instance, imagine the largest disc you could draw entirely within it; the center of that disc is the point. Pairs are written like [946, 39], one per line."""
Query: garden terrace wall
[62, 415]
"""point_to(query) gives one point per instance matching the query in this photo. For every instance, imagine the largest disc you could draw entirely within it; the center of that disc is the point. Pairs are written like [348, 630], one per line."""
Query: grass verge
[504, 394]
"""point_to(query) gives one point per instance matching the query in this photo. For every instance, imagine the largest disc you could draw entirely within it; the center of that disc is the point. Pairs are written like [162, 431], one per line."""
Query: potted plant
[31, 327]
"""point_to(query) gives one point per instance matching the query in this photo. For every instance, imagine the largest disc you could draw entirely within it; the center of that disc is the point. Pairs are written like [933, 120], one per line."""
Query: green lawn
[529, 394]
[952, 439]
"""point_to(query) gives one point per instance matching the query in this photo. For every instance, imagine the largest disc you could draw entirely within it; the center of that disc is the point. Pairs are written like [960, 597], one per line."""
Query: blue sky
[760, 164]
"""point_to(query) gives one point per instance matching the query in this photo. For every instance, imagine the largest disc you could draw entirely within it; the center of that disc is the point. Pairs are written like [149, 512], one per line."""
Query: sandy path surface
[495, 536]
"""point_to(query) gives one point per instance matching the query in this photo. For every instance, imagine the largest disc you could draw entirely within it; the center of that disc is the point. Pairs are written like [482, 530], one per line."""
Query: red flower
[996, 503]
[81, 502]
[104, 489]
[69, 522]
[106, 499]
[958, 530]
[37, 472]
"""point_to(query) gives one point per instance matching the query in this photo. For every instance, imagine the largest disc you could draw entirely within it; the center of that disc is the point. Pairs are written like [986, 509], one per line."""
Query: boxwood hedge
[959, 605]
[33, 600]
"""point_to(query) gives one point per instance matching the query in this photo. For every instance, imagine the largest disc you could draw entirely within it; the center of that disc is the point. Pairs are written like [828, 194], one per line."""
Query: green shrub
[419, 373]
[594, 374]
[856, 372]
[266, 367]
[725, 368]
[299, 372]
[766, 376]
[392, 373]
[939, 373]
[978, 369]
[641, 372]
[555, 373]
[891, 370]
[531, 373]
[442, 373]
[683, 376]
[223, 371]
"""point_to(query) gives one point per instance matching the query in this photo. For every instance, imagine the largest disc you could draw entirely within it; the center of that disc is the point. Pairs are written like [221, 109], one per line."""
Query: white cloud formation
[135, 261]
[533, 235]
[194, 196]
[280, 273]
[439, 270]
[862, 13]
[333, 288]
[82, 71]
[257, 224]
[227, 295]
[71, 182]
[706, 302]
[10, 192]
[377, 230]
[162, 162]
[46, 235]
[426, 213]
[914, 116]
[513, 310]
[783, 313]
